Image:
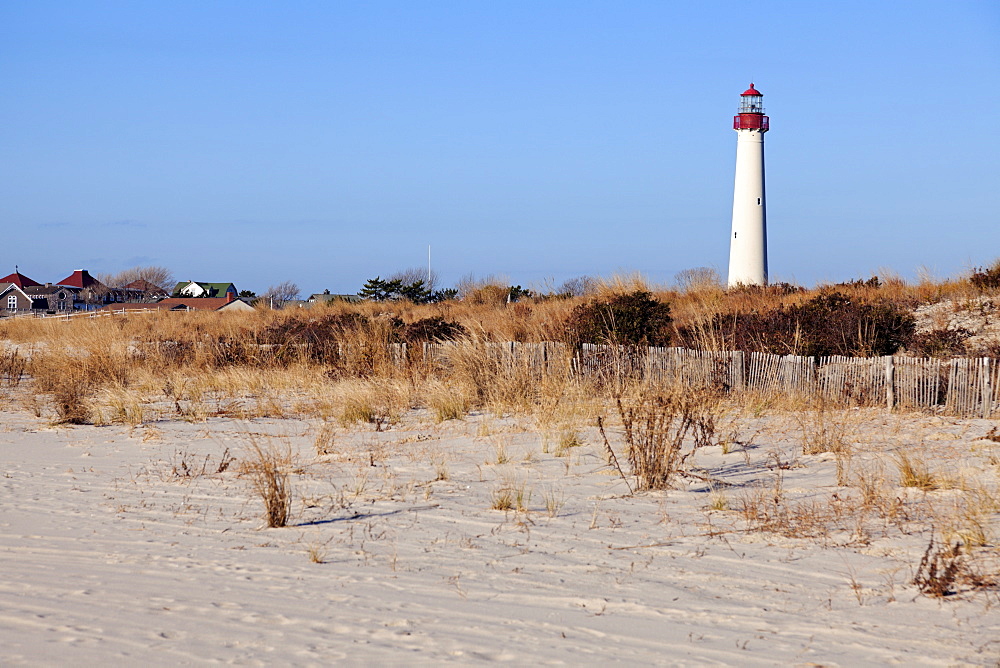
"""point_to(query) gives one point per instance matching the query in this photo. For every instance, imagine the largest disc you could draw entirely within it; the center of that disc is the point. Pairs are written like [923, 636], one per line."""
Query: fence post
[890, 382]
[737, 366]
[987, 391]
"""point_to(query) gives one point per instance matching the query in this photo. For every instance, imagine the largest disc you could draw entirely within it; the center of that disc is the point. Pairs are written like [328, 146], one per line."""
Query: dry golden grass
[554, 500]
[325, 440]
[13, 366]
[663, 426]
[511, 493]
[317, 551]
[268, 468]
[490, 317]
[447, 400]
[915, 472]
[376, 401]
[492, 378]
[134, 368]
[122, 405]
[194, 366]
[823, 428]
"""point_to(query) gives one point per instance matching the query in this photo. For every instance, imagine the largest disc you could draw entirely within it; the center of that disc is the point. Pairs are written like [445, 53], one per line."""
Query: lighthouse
[748, 241]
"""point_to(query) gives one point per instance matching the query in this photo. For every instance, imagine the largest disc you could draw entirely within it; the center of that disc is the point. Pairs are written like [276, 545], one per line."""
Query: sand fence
[962, 386]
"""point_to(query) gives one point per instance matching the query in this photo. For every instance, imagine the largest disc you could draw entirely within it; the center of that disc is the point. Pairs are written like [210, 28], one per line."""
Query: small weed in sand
[823, 430]
[872, 484]
[12, 367]
[324, 442]
[440, 468]
[357, 410]
[522, 497]
[969, 520]
[378, 402]
[186, 465]
[502, 498]
[943, 570]
[359, 483]
[718, 501]
[856, 587]
[554, 501]
[72, 402]
[124, 405]
[318, 551]
[914, 472]
[510, 494]
[32, 404]
[567, 439]
[970, 528]
[268, 469]
[500, 451]
[151, 433]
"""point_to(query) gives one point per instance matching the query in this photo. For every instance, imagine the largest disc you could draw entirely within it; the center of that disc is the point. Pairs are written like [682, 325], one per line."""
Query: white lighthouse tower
[748, 243]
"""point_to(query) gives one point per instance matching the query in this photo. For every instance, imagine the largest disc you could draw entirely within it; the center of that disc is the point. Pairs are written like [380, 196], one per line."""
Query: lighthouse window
[758, 201]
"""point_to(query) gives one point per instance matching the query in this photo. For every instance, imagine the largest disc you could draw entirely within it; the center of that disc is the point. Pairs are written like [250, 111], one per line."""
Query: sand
[127, 545]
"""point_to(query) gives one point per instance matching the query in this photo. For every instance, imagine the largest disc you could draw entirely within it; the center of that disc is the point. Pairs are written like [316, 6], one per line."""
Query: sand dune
[124, 545]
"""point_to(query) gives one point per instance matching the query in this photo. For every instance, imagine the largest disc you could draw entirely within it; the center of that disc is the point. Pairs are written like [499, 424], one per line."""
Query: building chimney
[230, 297]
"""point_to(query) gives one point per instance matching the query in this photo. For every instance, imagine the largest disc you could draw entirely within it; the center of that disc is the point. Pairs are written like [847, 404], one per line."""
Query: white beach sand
[112, 552]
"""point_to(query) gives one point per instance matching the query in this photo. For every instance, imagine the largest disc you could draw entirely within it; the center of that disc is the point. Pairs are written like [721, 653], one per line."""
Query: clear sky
[330, 142]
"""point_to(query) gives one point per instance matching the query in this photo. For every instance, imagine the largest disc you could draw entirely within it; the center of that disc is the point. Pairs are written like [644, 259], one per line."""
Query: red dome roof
[751, 91]
[19, 279]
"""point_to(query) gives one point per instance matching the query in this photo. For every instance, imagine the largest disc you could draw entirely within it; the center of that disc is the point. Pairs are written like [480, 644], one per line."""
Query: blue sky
[329, 142]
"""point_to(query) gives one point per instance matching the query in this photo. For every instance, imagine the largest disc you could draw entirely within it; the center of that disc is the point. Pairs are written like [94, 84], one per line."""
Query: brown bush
[268, 468]
[988, 278]
[942, 571]
[13, 366]
[658, 423]
[831, 323]
[434, 328]
[941, 343]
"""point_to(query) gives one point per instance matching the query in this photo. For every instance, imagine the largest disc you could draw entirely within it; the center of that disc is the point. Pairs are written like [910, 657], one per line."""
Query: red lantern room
[751, 116]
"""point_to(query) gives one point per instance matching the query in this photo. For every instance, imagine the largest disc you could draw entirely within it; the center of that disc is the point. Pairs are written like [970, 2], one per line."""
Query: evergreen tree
[374, 289]
[443, 295]
[415, 292]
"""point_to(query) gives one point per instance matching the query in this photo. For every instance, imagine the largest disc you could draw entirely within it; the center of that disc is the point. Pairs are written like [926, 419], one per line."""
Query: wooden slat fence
[964, 387]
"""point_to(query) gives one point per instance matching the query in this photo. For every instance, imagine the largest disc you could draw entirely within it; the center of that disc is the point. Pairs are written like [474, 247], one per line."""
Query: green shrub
[635, 318]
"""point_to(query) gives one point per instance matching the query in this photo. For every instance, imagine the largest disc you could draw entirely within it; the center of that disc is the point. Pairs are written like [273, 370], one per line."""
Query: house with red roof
[18, 279]
[143, 291]
[82, 279]
[92, 293]
[79, 290]
[18, 293]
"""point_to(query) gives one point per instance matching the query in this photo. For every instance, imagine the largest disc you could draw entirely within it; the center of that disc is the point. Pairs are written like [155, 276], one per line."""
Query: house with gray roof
[325, 298]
